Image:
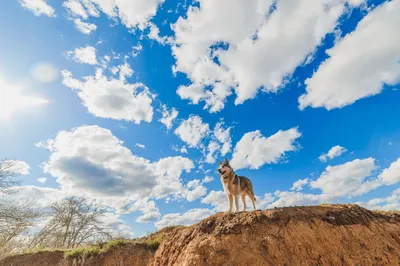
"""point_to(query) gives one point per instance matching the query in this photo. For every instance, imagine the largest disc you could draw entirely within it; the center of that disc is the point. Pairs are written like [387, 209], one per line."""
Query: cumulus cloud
[38, 7]
[150, 213]
[114, 175]
[84, 55]
[332, 153]
[388, 203]
[291, 198]
[254, 150]
[224, 137]
[354, 71]
[194, 190]
[212, 148]
[168, 116]
[344, 179]
[391, 175]
[214, 40]
[188, 218]
[110, 97]
[84, 27]
[207, 179]
[75, 8]
[131, 13]
[299, 184]
[192, 130]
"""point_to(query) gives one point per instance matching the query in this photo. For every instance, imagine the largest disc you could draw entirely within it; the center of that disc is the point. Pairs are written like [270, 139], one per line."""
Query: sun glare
[14, 99]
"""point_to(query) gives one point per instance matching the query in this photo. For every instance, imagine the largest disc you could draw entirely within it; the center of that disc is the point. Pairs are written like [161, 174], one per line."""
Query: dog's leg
[237, 203]
[230, 199]
[253, 200]
[244, 202]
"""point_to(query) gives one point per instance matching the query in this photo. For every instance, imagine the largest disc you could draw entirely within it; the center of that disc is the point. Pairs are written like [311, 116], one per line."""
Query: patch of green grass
[154, 242]
[83, 251]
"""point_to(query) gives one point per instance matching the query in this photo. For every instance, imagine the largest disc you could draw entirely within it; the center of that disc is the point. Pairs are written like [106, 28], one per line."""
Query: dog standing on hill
[236, 186]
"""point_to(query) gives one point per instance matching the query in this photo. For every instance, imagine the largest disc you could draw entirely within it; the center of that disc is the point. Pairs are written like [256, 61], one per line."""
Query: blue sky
[133, 103]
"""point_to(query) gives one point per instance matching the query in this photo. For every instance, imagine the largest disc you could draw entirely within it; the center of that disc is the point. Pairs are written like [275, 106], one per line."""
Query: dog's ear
[220, 162]
[226, 160]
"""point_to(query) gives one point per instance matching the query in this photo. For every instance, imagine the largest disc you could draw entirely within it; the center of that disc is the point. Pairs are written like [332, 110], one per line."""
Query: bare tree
[8, 170]
[15, 219]
[72, 221]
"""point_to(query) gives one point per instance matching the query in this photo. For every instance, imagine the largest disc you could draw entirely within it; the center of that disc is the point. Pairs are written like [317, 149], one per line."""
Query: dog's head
[225, 169]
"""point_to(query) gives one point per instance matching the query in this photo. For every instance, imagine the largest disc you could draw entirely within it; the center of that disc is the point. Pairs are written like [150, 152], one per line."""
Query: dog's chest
[230, 187]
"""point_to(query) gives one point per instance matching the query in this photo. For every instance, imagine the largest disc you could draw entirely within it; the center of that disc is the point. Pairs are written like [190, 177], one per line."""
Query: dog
[235, 186]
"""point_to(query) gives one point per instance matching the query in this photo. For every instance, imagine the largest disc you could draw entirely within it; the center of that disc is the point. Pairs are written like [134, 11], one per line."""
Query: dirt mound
[122, 254]
[44, 258]
[315, 235]
[318, 235]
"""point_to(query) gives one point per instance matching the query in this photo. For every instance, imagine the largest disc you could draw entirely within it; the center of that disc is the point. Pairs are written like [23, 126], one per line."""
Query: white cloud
[41, 180]
[114, 176]
[291, 198]
[114, 98]
[212, 148]
[360, 64]
[84, 55]
[224, 137]
[247, 29]
[183, 149]
[45, 72]
[168, 116]
[389, 203]
[16, 167]
[38, 7]
[194, 190]
[332, 153]
[14, 97]
[208, 179]
[254, 150]
[150, 213]
[136, 50]
[388, 176]
[84, 27]
[391, 175]
[75, 8]
[192, 130]
[140, 145]
[344, 179]
[299, 184]
[131, 13]
[218, 199]
[154, 34]
[188, 218]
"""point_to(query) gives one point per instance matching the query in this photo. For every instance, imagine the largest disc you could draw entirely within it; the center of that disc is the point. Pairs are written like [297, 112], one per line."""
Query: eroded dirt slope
[318, 235]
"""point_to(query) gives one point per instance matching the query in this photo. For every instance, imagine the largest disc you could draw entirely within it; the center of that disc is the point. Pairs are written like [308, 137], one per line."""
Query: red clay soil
[315, 235]
[318, 235]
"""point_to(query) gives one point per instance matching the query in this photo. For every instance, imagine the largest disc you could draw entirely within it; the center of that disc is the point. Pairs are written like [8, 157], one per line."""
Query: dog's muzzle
[220, 171]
